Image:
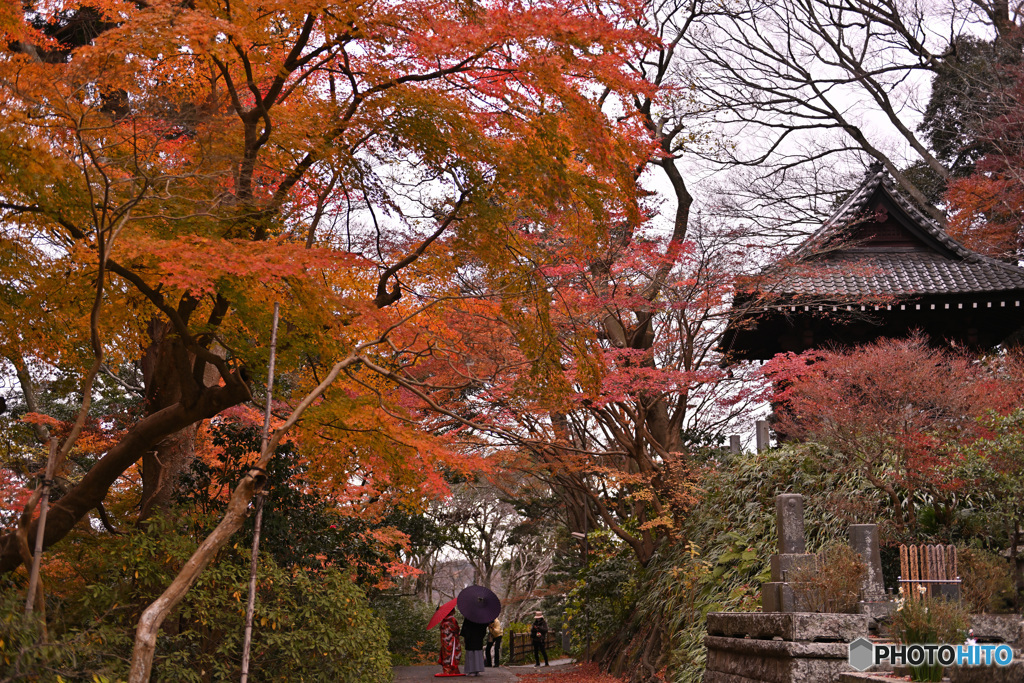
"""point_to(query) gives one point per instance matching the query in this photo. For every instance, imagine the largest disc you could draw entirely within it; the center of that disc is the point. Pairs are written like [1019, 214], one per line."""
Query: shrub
[834, 583]
[76, 654]
[407, 619]
[310, 626]
[987, 579]
[601, 601]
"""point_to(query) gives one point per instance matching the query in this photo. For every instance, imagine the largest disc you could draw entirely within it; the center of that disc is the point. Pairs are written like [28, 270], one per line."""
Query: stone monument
[778, 594]
[873, 600]
[864, 541]
[785, 643]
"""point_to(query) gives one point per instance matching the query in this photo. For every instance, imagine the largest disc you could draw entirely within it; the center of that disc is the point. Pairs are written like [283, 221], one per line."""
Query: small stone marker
[734, 444]
[864, 540]
[762, 435]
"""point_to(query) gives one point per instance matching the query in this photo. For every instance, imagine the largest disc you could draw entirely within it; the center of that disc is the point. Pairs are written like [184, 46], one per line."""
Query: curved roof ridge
[923, 220]
[847, 211]
[936, 230]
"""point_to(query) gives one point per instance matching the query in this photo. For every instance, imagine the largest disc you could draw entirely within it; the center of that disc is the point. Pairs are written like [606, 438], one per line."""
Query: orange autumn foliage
[210, 158]
[987, 207]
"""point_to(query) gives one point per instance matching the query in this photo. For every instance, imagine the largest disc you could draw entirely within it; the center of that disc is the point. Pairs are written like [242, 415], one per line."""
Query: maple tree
[179, 166]
[602, 380]
[598, 367]
[209, 154]
[896, 412]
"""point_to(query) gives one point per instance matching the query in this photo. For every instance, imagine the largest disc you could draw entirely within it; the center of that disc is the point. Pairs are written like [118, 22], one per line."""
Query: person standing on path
[451, 648]
[539, 636]
[473, 633]
[494, 632]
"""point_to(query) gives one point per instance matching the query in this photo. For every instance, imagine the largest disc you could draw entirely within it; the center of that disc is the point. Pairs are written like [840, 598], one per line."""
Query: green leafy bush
[310, 626]
[407, 619]
[79, 653]
[601, 601]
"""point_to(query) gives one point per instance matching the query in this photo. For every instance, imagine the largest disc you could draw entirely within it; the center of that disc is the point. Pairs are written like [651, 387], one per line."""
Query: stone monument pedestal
[794, 647]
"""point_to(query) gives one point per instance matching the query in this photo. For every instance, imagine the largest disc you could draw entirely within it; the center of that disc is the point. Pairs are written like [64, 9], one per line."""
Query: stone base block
[1014, 673]
[999, 628]
[774, 661]
[719, 677]
[876, 612]
[793, 626]
[954, 674]
[777, 596]
[772, 599]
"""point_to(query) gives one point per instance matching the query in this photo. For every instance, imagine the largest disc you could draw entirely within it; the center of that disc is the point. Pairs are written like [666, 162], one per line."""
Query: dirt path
[502, 674]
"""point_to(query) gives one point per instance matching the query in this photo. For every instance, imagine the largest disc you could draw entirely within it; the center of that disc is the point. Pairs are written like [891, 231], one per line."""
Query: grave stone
[762, 435]
[778, 595]
[873, 600]
[864, 540]
[789, 517]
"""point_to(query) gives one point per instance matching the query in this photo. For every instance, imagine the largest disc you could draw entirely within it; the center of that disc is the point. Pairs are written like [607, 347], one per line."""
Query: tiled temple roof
[940, 264]
[878, 267]
[901, 275]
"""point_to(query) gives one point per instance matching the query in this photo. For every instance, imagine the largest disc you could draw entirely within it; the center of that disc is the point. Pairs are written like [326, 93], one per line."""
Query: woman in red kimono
[451, 648]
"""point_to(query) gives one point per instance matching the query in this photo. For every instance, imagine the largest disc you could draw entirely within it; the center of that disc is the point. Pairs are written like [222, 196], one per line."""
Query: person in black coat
[473, 633]
[539, 636]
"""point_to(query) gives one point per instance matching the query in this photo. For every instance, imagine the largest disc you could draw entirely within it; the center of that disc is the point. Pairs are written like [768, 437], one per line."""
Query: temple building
[879, 267]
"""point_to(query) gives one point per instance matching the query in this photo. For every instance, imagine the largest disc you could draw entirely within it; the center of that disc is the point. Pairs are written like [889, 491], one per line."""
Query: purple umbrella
[479, 604]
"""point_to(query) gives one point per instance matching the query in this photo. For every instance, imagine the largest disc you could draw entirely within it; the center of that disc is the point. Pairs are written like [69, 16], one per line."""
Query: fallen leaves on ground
[583, 673]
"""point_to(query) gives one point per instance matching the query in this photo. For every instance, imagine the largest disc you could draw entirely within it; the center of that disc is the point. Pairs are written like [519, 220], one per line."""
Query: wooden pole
[44, 500]
[250, 607]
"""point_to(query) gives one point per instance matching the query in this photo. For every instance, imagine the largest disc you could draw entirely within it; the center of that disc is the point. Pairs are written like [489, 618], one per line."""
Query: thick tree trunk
[140, 438]
[162, 465]
[162, 468]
